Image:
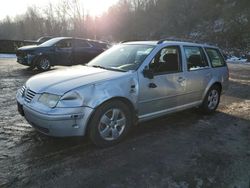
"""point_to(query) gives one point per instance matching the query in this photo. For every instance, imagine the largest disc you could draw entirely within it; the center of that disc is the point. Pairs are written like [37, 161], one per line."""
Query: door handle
[180, 79]
[152, 85]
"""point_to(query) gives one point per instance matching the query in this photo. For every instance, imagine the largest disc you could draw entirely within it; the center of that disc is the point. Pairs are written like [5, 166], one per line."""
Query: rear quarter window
[82, 44]
[215, 57]
[100, 45]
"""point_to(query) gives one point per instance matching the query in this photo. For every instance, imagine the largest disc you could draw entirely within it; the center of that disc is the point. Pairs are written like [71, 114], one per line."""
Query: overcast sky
[17, 7]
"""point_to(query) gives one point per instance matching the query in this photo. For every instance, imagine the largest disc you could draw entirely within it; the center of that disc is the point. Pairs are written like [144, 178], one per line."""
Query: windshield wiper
[109, 68]
[101, 67]
[117, 69]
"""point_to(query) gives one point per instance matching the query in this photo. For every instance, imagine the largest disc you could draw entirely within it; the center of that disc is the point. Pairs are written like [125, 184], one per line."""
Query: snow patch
[7, 55]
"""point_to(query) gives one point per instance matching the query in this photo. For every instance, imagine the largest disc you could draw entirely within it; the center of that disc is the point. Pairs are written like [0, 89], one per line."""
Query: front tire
[31, 67]
[43, 64]
[212, 100]
[110, 123]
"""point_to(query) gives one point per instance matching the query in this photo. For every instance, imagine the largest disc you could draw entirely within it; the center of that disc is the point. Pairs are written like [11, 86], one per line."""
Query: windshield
[123, 57]
[50, 42]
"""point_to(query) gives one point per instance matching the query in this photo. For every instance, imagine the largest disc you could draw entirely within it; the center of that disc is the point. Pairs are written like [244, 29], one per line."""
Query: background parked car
[43, 39]
[234, 59]
[60, 51]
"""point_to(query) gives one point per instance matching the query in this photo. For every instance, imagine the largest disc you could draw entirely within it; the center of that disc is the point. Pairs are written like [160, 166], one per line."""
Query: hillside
[223, 22]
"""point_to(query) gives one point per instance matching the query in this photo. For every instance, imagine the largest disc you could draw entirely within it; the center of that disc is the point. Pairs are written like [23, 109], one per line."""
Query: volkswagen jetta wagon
[131, 82]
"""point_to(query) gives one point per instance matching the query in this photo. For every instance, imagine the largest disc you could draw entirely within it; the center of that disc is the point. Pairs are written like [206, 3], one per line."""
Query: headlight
[49, 100]
[70, 99]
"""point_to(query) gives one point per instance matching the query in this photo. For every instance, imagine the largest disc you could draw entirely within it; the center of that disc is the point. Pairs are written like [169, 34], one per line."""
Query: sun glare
[97, 7]
[16, 7]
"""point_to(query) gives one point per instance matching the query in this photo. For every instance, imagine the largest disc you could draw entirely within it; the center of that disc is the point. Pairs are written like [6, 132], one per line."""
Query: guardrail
[10, 46]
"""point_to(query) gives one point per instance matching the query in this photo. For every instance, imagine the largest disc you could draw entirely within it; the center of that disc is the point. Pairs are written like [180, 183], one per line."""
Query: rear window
[64, 44]
[101, 45]
[215, 57]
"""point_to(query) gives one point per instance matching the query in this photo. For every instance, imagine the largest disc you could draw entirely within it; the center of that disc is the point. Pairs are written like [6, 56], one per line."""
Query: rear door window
[195, 58]
[215, 57]
[100, 45]
[82, 44]
[65, 44]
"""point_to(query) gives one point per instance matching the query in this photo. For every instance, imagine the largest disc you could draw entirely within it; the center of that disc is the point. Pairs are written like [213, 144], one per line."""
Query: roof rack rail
[210, 44]
[128, 41]
[124, 41]
[175, 39]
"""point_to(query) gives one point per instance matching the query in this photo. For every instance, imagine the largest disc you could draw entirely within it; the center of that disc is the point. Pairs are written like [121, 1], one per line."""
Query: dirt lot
[182, 150]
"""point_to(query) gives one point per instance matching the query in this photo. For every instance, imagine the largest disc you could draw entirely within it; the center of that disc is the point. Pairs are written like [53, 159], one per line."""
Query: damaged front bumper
[60, 122]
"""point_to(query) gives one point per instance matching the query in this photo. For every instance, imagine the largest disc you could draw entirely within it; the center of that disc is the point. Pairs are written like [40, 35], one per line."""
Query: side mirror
[148, 73]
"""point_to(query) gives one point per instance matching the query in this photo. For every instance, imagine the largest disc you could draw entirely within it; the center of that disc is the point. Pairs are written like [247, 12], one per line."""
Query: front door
[164, 91]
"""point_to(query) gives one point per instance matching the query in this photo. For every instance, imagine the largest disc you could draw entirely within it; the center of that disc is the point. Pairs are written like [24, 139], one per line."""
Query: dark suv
[60, 51]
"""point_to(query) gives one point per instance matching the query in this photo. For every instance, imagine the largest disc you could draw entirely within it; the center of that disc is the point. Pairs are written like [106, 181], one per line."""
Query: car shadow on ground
[178, 140]
[177, 122]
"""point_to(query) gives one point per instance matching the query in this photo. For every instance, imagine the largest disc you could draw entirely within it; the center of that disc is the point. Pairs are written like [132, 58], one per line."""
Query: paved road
[182, 150]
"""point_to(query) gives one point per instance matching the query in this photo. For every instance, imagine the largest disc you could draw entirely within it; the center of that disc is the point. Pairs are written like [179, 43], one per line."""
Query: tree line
[222, 22]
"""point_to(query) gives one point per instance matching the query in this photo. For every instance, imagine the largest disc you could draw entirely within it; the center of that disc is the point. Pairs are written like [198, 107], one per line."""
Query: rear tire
[211, 100]
[110, 123]
[43, 64]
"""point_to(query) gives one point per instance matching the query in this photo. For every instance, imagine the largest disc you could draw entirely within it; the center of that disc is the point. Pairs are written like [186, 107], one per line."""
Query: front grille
[20, 53]
[21, 91]
[29, 95]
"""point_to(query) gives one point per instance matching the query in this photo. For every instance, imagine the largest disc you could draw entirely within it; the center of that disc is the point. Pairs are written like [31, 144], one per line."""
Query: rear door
[198, 73]
[83, 51]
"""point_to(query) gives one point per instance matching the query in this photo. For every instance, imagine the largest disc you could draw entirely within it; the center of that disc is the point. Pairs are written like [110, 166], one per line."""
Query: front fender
[126, 87]
[48, 53]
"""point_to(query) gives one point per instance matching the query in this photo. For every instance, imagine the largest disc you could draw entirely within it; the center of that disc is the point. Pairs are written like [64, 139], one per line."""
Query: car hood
[29, 47]
[61, 81]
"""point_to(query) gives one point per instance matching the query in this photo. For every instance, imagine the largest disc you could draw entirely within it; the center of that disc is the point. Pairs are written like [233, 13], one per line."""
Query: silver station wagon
[129, 83]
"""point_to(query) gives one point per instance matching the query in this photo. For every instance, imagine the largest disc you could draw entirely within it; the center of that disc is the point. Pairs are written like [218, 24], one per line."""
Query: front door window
[166, 61]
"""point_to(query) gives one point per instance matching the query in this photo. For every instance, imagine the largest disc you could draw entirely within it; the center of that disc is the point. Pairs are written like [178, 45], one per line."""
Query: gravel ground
[181, 150]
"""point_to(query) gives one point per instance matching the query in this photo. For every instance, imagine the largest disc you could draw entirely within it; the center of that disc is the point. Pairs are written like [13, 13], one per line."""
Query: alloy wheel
[112, 124]
[44, 64]
[213, 99]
